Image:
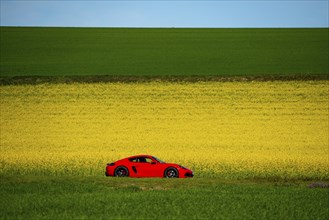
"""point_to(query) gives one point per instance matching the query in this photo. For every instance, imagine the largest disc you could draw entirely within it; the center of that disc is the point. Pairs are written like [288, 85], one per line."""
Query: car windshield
[160, 161]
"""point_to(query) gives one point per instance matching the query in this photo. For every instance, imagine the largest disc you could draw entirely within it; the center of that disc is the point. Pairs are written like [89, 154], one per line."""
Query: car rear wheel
[121, 172]
[171, 172]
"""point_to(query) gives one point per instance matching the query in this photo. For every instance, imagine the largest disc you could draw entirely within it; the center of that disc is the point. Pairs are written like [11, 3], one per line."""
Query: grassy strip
[111, 198]
[34, 80]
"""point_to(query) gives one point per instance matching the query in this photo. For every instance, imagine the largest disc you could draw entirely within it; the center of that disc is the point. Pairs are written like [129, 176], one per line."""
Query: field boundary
[33, 80]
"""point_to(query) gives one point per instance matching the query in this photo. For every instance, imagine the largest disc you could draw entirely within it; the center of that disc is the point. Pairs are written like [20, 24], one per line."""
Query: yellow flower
[230, 129]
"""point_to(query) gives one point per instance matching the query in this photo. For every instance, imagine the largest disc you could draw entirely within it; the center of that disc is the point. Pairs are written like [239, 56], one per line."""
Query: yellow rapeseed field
[224, 129]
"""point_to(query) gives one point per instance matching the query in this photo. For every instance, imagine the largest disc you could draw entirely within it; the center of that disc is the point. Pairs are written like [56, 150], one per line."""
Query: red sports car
[146, 166]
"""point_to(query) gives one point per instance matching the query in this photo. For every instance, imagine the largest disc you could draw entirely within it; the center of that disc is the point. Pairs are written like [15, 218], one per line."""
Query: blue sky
[216, 13]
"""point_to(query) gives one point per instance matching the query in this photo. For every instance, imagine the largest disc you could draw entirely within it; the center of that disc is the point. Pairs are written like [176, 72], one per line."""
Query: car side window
[134, 160]
[141, 160]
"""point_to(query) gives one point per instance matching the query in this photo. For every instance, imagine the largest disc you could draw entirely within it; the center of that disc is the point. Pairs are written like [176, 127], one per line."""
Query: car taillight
[110, 164]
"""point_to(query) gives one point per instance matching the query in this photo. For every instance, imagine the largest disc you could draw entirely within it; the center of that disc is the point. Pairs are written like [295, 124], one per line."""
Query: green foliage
[163, 52]
[115, 198]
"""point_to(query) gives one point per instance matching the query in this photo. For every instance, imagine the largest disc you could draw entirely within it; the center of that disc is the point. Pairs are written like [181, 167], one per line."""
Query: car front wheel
[171, 172]
[121, 172]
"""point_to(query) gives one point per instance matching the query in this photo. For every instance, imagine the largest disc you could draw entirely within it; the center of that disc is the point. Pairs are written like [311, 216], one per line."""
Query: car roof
[140, 155]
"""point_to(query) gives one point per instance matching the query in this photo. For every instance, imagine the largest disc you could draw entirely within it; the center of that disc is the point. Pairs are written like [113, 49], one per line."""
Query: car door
[145, 167]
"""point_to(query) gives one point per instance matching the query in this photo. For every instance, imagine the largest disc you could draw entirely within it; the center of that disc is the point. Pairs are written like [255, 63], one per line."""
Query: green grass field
[163, 52]
[113, 198]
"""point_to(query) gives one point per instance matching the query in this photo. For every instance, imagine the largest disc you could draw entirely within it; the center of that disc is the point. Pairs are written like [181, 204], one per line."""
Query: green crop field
[163, 52]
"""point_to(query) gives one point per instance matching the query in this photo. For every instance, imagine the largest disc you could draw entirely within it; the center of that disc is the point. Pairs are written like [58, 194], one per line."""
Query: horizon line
[274, 27]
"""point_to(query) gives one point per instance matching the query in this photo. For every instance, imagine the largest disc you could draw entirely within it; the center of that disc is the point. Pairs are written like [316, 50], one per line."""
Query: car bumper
[187, 175]
[109, 171]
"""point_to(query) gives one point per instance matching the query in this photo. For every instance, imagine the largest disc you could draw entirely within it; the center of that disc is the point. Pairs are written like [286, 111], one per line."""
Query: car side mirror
[153, 163]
